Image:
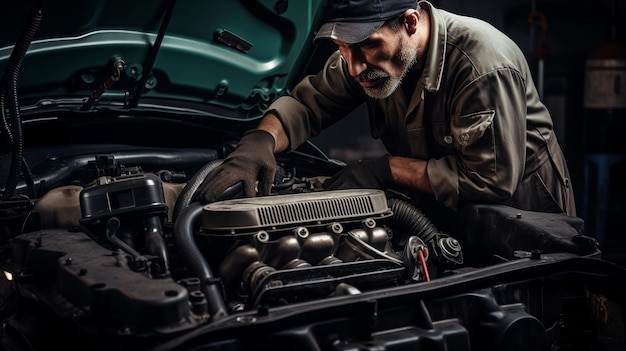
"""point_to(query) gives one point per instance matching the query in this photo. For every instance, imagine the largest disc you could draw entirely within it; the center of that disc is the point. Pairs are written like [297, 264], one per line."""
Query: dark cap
[352, 21]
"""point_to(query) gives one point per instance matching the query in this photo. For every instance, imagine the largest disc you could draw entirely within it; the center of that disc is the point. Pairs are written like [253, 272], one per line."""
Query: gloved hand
[252, 160]
[370, 174]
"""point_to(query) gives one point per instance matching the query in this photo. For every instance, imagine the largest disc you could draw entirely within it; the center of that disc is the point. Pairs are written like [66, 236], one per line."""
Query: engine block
[304, 243]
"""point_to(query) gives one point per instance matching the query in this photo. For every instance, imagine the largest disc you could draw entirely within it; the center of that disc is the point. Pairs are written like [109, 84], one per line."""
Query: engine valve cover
[249, 215]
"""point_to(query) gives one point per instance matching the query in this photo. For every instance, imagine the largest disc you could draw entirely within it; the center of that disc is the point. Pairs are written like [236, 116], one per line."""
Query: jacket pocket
[468, 129]
[473, 135]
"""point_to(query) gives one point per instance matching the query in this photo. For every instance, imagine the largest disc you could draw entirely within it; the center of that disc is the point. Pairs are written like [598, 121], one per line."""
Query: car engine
[130, 253]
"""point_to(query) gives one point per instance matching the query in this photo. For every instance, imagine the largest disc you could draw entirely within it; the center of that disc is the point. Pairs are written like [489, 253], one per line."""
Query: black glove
[252, 160]
[370, 174]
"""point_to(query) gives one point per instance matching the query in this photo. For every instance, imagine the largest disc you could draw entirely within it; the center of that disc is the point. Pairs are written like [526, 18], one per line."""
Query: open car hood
[114, 112]
[229, 57]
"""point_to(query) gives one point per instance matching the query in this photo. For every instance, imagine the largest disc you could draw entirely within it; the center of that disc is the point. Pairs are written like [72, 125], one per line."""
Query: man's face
[381, 61]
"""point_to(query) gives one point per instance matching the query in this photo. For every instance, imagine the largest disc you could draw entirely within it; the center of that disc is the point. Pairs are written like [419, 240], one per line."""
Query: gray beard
[407, 57]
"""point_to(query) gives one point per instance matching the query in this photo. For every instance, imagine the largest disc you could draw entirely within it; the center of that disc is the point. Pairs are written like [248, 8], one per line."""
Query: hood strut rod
[151, 58]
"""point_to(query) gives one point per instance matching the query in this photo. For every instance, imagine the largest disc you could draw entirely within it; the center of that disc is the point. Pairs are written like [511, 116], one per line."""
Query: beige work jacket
[475, 116]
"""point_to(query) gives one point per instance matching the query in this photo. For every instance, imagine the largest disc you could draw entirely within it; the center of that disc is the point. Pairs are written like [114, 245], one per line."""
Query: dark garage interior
[565, 41]
[108, 243]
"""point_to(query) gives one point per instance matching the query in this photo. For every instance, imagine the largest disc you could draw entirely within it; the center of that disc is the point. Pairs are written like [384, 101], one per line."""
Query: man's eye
[368, 45]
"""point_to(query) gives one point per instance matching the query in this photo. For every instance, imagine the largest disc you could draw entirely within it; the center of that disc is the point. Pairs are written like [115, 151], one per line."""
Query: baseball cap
[352, 21]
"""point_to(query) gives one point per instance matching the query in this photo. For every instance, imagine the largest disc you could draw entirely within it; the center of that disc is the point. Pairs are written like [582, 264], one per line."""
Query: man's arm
[410, 172]
[407, 172]
[271, 124]
[251, 162]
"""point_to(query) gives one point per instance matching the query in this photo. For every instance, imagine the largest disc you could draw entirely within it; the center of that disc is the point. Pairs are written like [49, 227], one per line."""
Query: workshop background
[577, 52]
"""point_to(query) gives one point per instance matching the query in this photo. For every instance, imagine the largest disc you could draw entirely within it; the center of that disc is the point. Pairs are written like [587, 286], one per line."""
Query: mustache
[371, 74]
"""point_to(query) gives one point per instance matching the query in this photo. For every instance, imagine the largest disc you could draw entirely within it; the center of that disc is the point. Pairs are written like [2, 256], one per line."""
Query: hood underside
[235, 56]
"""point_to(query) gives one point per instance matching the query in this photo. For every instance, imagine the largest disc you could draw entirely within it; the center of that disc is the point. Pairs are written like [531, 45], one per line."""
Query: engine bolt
[262, 236]
[302, 232]
[336, 228]
[369, 223]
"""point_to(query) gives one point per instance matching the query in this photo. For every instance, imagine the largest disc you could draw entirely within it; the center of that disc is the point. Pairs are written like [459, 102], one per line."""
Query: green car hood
[229, 57]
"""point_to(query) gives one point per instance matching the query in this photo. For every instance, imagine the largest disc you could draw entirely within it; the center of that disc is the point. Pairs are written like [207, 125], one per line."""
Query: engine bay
[131, 246]
[116, 248]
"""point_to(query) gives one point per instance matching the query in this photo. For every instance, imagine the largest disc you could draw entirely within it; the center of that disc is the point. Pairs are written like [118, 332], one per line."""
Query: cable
[420, 254]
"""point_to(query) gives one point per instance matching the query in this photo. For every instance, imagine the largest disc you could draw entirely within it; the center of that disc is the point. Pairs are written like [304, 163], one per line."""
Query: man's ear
[410, 21]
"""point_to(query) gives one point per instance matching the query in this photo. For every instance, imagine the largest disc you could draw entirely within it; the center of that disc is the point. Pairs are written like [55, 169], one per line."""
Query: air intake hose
[189, 219]
[443, 249]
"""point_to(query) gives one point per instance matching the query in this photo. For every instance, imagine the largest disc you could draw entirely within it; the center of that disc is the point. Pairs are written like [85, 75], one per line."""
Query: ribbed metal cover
[301, 208]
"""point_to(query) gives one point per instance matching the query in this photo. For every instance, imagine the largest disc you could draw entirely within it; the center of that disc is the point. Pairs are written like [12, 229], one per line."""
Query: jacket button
[448, 139]
[567, 182]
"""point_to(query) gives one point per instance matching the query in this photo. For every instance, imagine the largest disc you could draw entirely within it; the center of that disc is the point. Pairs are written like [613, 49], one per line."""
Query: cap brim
[347, 32]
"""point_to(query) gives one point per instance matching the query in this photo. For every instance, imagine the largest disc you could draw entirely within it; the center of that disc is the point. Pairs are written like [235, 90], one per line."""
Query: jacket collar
[435, 61]
[430, 79]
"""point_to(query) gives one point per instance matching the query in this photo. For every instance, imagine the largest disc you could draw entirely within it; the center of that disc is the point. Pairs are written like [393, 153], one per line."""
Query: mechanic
[451, 98]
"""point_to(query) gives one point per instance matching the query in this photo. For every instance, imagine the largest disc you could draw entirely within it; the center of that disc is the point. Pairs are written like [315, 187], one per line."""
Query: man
[451, 97]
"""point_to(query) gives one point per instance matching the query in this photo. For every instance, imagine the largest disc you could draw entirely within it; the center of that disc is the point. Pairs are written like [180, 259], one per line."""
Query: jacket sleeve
[317, 102]
[488, 129]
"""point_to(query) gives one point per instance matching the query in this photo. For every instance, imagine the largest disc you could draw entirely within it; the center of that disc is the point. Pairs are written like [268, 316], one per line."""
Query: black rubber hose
[5, 130]
[189, 219]
[155, 241]
[10, 79]
[186, 195]
[410, 219]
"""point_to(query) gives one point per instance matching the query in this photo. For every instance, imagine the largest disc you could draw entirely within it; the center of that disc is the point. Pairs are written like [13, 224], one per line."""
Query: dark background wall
[558, 37]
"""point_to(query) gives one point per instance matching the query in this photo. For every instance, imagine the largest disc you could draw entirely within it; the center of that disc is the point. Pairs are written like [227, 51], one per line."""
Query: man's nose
[356, 62]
